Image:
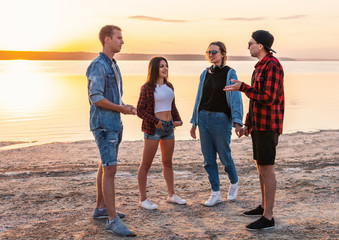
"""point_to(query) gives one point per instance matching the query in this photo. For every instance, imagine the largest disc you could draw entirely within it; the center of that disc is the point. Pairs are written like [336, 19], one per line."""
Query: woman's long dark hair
[153, 71]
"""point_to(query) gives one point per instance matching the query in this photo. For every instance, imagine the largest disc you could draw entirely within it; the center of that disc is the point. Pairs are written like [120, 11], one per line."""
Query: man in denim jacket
[105, 91]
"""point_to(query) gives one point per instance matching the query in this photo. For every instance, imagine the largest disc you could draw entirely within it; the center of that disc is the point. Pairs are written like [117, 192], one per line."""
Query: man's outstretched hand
[233, 87]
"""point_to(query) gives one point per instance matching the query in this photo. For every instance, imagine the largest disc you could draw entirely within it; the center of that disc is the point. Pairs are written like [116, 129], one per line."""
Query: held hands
[246, 133]
[233, 87]
[240, 131]
[134, 111]
[128, 109]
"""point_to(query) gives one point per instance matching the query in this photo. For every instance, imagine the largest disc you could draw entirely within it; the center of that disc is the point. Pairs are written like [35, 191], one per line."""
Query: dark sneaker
[257, 212]
[261, 223]
[121, 215]
[118, 228]
[104, 214]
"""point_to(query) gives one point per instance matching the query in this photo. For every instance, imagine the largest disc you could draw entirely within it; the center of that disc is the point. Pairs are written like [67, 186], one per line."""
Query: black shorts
[264, 146]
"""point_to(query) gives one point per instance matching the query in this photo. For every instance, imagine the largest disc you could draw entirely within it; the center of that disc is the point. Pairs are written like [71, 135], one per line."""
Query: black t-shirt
[213, 96]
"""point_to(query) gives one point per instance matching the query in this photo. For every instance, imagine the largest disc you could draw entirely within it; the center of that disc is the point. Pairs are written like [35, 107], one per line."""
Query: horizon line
[83, 55]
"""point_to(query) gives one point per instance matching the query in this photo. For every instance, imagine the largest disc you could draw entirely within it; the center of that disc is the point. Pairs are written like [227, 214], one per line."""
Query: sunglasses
[212, 52]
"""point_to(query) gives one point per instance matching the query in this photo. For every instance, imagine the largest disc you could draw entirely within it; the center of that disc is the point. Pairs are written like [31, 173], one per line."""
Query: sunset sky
[302, 28]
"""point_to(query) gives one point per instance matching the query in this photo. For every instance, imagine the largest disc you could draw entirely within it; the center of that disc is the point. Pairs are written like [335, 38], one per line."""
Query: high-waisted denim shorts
[167, 133]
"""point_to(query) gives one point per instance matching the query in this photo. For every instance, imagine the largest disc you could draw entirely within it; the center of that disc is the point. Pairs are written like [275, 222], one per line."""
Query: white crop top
[163, 97]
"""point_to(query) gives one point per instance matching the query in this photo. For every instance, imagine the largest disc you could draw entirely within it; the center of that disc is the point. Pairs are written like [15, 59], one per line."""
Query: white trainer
[176, 199]
[147, 204]
[233, 192]
[215, 198]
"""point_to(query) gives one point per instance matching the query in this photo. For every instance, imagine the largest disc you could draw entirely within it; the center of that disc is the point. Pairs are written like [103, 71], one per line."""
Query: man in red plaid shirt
[264, 120]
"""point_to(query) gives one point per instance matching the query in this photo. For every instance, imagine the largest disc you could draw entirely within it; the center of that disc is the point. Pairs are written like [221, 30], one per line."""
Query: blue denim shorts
[167, 133]
[108, 143]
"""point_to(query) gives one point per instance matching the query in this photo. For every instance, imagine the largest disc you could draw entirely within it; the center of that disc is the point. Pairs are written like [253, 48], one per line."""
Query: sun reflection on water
[47, 101]
[25, 91]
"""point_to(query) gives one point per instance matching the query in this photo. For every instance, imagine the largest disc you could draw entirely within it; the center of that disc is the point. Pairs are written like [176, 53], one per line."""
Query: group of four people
[218, 107]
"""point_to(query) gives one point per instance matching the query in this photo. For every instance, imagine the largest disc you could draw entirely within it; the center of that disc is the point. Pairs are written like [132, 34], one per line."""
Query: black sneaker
[261, 223]
[257, 212]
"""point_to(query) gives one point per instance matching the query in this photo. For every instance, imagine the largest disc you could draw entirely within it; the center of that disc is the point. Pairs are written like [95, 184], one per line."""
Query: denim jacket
[234, 100]
[102, 84]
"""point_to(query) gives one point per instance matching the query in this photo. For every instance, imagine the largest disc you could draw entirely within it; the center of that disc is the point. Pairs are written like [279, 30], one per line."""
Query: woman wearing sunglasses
[157, 108]
[215, 112]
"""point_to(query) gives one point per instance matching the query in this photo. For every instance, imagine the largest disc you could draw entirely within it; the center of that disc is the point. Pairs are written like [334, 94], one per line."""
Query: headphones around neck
[213, 68]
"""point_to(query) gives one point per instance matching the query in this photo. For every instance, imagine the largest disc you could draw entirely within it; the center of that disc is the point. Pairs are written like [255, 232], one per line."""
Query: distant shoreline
[37, 55]
[9, 145]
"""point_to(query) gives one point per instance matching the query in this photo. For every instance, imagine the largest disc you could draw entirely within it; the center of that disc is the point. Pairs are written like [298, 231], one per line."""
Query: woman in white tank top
[156, 106]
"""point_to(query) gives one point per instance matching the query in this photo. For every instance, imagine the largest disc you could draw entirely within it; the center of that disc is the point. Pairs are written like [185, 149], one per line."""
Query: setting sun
[81, 123]
[177, 27]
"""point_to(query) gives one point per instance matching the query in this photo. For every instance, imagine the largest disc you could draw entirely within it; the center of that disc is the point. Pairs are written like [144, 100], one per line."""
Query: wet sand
[48, 192]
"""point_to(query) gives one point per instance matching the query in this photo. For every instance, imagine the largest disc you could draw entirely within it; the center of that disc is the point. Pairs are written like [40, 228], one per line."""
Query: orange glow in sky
[302, 29]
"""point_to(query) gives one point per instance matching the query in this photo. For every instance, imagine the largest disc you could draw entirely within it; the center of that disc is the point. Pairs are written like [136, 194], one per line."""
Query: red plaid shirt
[267, 101]
[145, 109]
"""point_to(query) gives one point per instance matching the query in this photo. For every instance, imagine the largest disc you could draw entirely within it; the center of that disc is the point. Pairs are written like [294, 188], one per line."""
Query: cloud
[243, 19]
[292, 17]
[155, 19]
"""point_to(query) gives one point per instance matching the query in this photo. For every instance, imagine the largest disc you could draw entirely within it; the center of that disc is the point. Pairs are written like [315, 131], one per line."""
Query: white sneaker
[176, 199]
[147, 204]
[215, 198]
[233, 192]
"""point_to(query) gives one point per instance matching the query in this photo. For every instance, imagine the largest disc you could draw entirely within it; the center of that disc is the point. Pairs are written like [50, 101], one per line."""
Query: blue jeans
[215, 130]
[108, 143]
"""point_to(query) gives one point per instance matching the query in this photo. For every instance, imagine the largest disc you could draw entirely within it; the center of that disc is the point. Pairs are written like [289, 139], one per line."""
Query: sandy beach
[48, 192]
